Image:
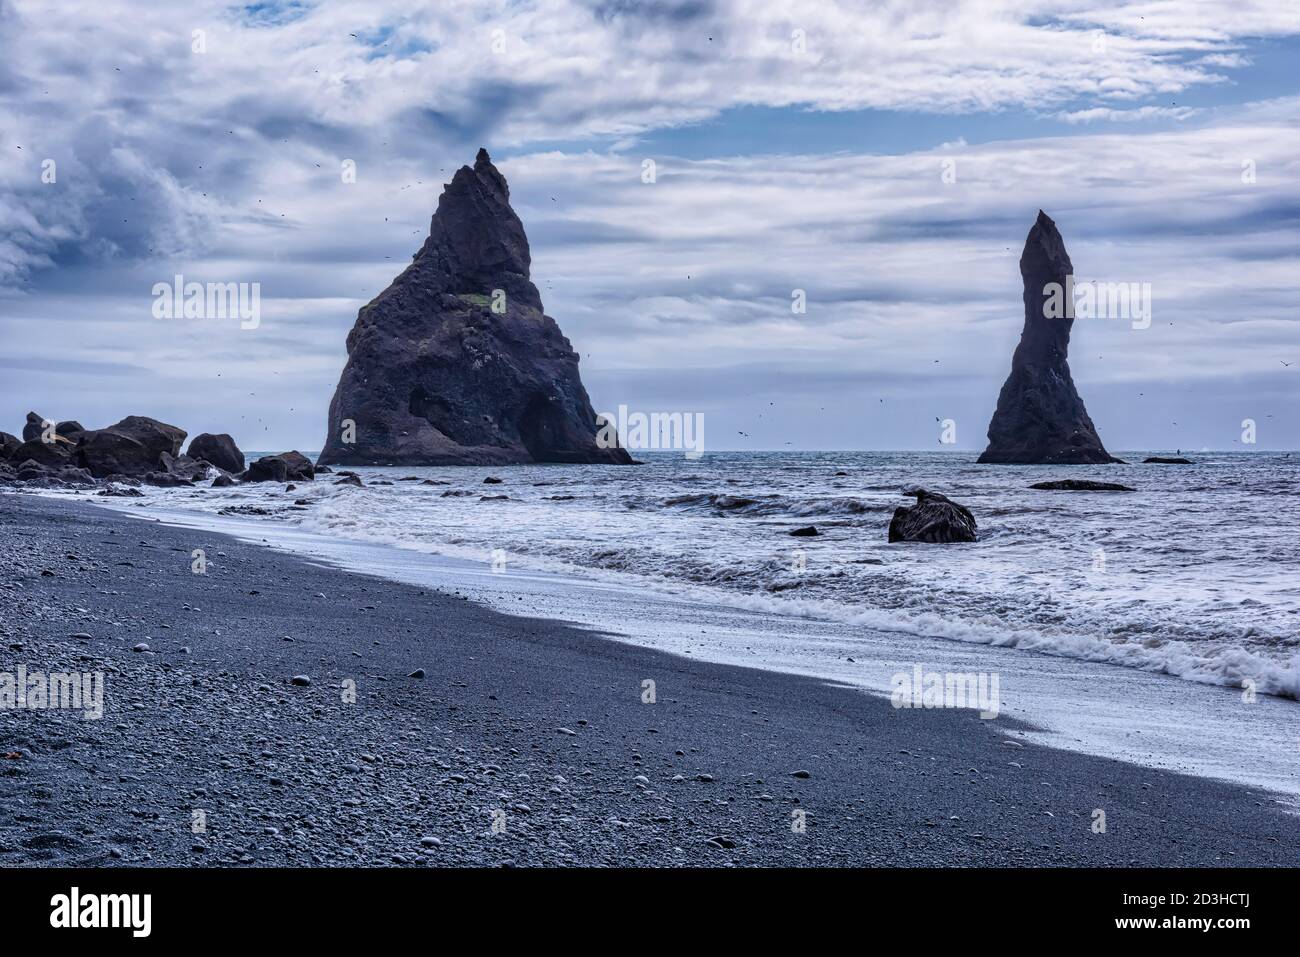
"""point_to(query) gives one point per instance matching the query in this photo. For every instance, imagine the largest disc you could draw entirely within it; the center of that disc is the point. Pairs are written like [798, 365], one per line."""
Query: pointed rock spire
[1040, 417]
[455, 362]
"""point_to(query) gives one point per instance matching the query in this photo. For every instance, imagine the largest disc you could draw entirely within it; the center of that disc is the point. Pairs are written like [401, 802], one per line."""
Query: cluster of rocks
[135, 451]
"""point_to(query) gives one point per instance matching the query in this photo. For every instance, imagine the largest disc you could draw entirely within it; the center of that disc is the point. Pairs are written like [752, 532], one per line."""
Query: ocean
[1196, 574]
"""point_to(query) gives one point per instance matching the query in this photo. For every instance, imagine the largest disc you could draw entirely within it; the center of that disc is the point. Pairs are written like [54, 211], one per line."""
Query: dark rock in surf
[455, 363]
[287, 466]
[165, 479]
[182, 466]
[1081, 485]
[134, 446]
[934, 518]
[806, 532]
[1040, 418]
[220, 450]
[349, 480]
[1166, 460]
[222, 481]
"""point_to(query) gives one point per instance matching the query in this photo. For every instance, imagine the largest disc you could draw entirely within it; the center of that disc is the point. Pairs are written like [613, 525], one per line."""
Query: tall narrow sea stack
[455, 363]
[1040, 418]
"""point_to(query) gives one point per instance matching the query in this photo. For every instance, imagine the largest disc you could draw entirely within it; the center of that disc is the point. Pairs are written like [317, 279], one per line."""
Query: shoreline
[539, 721]
[1138, 715]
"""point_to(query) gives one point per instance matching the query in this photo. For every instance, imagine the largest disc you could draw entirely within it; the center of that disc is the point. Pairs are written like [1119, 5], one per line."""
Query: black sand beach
[537, 720]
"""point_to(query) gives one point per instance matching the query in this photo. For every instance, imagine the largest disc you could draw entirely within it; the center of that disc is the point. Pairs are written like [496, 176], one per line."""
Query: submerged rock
[934, 518]
[1081, 485]
[806, 532]
[455, 363]
[1166, 460]
[1040, 418]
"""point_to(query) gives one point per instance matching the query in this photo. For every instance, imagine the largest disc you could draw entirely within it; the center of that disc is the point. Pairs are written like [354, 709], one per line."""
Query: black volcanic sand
[531, 718]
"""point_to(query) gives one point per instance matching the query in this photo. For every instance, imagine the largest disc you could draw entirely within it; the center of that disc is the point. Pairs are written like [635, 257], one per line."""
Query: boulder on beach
[62, 474]
[934, 518]
[220, 450]
[49, 454]
[1040, 418]
[1081, 485]
[33, 427]
[134, 446]
[8, 444]
[64, 432]
[1166, 460]
[287, 466]
[455, 363]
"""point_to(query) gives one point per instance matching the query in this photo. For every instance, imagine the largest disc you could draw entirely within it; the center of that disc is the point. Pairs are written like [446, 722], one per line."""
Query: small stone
[417, 673]
[301, 681]
[800, 774]
[142, 646]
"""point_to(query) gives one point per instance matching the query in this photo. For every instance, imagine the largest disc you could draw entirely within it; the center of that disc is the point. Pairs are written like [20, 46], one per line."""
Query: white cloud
[1138, 115]
[225, 165]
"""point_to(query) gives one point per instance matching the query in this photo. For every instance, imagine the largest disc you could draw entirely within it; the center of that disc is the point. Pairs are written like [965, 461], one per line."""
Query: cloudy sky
[887, 158]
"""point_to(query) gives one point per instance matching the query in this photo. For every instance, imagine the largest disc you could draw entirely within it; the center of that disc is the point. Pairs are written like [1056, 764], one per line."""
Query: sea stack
[1040, 418]
[455, 363]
